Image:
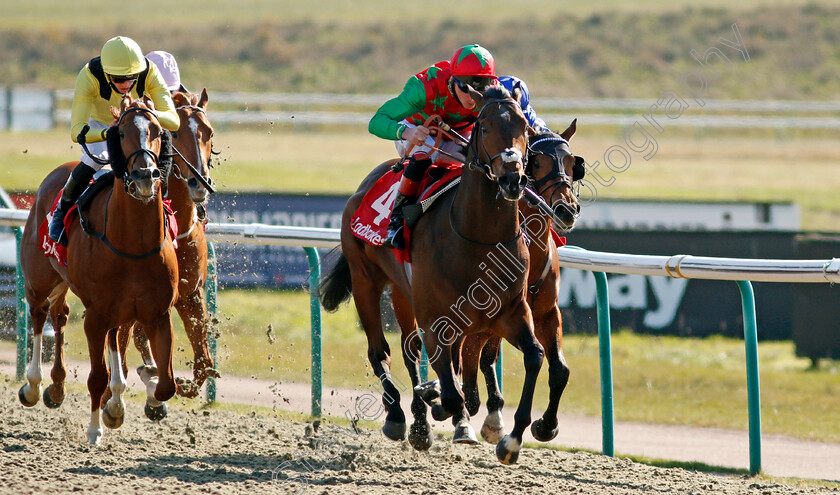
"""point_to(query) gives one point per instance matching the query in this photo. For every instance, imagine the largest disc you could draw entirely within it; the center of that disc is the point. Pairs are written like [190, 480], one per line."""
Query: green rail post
[315, 308]
[753, 389]
[22, 321]
[424, 360]
[499, 367]
[607, 414]
[211, 288]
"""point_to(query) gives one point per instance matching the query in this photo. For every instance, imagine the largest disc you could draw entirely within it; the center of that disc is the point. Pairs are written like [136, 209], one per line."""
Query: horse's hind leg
[367, 294]
[192, 311]
[59, 312]
[420, 434]
[451, 398]
[124, 333]
[30, 392]
[154, 409]
[114, 411]
[549, 333]
[493, 428]
[470, 352]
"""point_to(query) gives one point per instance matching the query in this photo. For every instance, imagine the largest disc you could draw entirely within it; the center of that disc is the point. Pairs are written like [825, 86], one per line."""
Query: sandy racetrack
[196, 451]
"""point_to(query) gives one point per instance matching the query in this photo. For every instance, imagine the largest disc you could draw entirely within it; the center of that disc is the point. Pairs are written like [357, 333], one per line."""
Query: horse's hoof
[439, 413]
[465, 434]
[421, 437]
[507, 450]
[112, 422]
[48, 400]
[394, 431]
[22, 396]
[492, 434]
[212, 373]
[428, 391]
[541, 432]
[94, 435]
[155, 413]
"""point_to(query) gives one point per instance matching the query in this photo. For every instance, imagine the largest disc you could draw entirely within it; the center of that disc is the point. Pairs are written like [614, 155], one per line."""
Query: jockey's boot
[76, 183]
[394, 238]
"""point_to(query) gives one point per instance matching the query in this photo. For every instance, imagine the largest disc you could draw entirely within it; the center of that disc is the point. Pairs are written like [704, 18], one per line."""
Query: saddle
[370, 220]
[99, 183]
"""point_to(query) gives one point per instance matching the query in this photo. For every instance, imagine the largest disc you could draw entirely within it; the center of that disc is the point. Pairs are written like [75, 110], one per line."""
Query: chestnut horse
[126, 271]
[551, 167]
[452, 246]
[188, 186]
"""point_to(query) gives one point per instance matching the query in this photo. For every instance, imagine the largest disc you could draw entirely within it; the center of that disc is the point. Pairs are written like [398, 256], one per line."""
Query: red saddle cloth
[59, 252]
[370, 221]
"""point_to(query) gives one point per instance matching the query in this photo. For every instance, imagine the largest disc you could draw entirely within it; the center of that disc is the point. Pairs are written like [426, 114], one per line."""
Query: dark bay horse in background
[126, 272]
[552, 171]
[186, 189]
[453, 291]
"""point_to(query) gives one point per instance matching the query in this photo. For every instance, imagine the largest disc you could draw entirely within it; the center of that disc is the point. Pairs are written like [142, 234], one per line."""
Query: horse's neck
[538, 229]
[132, 224]
[182, 204]
[480, 213]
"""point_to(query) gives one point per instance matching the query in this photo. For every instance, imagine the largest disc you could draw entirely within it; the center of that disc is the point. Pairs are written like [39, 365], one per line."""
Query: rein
[508, 155]
[207, 182]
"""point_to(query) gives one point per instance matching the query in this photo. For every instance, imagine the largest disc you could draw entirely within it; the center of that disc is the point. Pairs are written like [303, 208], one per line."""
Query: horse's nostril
[156, 174]
[192, 182]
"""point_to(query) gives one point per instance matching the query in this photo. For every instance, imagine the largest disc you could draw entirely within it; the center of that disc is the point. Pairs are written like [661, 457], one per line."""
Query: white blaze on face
[142, 123]
[511, 155]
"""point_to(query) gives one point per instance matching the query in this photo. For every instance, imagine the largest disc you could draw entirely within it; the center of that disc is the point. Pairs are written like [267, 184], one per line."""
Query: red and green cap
[473, 60]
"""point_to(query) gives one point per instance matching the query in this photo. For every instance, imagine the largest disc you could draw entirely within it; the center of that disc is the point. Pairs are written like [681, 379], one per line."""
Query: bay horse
[452, 244]
[125, 271]
[552, 170]
[188, 187]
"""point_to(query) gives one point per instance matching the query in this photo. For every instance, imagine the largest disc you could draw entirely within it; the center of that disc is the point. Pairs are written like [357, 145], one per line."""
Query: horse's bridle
[128, 180]
[207, 182]
[509, 155]
[559, 171]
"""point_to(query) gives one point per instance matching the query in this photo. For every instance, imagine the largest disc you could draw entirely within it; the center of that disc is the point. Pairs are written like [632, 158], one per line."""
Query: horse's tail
[336, 285]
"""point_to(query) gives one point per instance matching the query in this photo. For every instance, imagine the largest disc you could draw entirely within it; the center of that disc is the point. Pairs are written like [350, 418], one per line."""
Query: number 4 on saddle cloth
[59, 252]
[370, 220]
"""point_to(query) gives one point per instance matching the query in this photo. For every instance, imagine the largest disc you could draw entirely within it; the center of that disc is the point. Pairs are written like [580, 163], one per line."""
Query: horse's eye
[174, 135]
[122, 135]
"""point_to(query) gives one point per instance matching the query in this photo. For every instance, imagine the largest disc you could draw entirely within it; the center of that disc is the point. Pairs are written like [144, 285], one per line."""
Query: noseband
[509, 155]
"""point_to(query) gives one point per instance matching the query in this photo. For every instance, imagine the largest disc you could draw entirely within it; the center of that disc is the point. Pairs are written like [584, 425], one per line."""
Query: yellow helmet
[122, 56]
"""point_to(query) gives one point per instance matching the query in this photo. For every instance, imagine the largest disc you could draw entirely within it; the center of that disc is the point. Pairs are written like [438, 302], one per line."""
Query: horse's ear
[114, 112]
[531, 132]
[125, 102]
[202, 102]
[476, 96]
[149, 102]
[570, 131]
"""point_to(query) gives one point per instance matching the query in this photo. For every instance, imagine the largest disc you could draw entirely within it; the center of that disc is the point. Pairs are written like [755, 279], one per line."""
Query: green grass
[669, 380]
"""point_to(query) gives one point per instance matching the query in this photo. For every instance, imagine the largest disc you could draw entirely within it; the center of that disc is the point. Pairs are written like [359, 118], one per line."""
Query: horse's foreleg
[366, 295]
[493, 428]
[113, 412]
[420, 434]
[30, 392]
[98, 377]
[549, 333]
[522, 337]
[191, 309]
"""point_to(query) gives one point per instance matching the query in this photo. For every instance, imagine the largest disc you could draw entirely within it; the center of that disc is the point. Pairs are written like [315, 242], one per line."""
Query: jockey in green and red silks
[439, 90]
